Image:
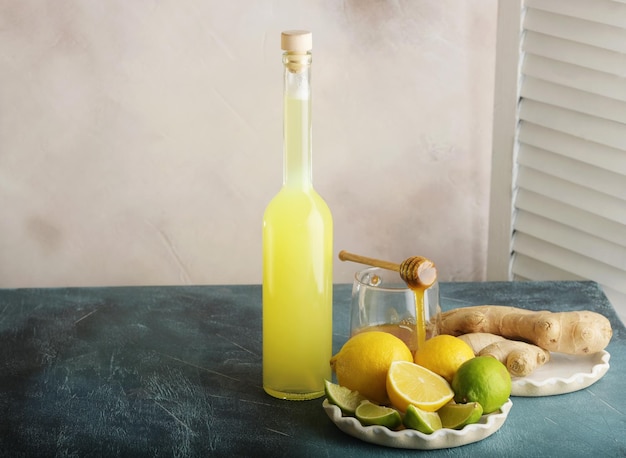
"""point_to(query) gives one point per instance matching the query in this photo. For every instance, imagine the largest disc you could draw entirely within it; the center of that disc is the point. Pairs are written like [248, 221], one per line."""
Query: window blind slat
[598, 179]
[568, 261]
[571, 239]
[586, 31]
[603, 11]
[574, 99]
[573, 147]
[532, 269]
[574, 53]
[572, 194]
[587, 127]
[575, 76]
[570, 215]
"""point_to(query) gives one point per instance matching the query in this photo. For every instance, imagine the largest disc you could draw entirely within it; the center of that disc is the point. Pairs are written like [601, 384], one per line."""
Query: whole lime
[482, 379]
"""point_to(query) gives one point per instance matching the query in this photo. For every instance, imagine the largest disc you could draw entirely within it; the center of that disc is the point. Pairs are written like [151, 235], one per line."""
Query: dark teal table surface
[176, 371]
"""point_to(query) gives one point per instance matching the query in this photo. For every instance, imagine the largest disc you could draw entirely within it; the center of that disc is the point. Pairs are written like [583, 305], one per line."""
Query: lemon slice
[411, 384]
[456, 416]
[344, 398]
[421, 420]
[369, 413]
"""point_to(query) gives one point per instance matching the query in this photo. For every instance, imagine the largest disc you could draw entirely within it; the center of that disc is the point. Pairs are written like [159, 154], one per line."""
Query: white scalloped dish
[562, 374]
[412, 439]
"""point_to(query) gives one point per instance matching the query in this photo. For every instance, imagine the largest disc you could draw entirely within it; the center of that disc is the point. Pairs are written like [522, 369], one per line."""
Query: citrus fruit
[362, 363]
[443, 354]
[482, 379]
[369, 413]
[409, 383]
[421, 420]
[456, 416]
[344, 398]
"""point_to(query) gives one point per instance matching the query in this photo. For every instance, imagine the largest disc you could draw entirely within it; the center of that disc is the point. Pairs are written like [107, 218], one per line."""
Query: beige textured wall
[141, 140]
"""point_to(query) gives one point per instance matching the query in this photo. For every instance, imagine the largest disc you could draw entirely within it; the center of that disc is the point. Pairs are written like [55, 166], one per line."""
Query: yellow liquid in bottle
[297, 278]
[297, 296]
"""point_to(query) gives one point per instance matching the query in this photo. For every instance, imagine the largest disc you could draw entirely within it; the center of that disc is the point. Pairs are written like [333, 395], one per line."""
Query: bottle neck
[297, 154]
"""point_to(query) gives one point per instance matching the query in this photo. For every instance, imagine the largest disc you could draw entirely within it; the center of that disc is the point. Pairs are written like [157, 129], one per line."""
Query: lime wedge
[344, 398]
[456, 416]
[369, 413]
[421, 420]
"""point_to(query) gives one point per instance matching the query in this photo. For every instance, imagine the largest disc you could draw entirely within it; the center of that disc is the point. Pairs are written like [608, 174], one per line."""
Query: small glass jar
[381, 301]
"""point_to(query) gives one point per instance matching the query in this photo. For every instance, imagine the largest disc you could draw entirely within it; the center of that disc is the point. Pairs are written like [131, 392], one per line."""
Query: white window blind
[567, 146]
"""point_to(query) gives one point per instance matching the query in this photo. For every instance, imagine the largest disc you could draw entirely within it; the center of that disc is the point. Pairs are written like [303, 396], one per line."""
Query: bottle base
[294, 396]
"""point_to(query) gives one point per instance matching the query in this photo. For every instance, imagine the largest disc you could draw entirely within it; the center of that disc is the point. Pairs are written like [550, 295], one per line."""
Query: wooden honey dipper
[417, 272]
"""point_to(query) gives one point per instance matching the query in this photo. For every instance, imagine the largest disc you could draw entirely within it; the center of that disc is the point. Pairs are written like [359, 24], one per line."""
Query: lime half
[421, 420]
[344, 398]
[456, 416]
[369, 413]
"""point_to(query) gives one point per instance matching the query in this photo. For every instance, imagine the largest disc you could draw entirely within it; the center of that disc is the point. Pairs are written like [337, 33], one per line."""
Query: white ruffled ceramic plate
[412, 439]
[562, 374]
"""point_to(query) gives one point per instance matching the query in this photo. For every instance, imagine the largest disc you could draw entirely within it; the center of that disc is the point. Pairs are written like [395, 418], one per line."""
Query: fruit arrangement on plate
[455, 381]
[380, 383]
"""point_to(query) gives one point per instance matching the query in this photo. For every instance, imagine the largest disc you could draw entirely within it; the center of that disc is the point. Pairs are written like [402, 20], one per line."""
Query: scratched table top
[176, 371]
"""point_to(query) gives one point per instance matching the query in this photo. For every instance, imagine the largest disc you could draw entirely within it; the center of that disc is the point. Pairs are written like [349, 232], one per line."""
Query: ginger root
[479, 340]
[574, 333]
[520, 358]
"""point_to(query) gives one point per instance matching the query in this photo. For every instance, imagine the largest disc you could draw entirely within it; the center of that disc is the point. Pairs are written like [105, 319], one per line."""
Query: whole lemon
[363, 362]
[443, 354]
[482, 379]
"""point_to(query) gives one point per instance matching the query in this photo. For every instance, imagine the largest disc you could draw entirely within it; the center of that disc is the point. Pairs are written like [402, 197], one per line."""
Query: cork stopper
[296, 41]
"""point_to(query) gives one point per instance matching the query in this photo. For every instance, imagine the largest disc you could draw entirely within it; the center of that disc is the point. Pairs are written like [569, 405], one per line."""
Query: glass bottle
[297, 250]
